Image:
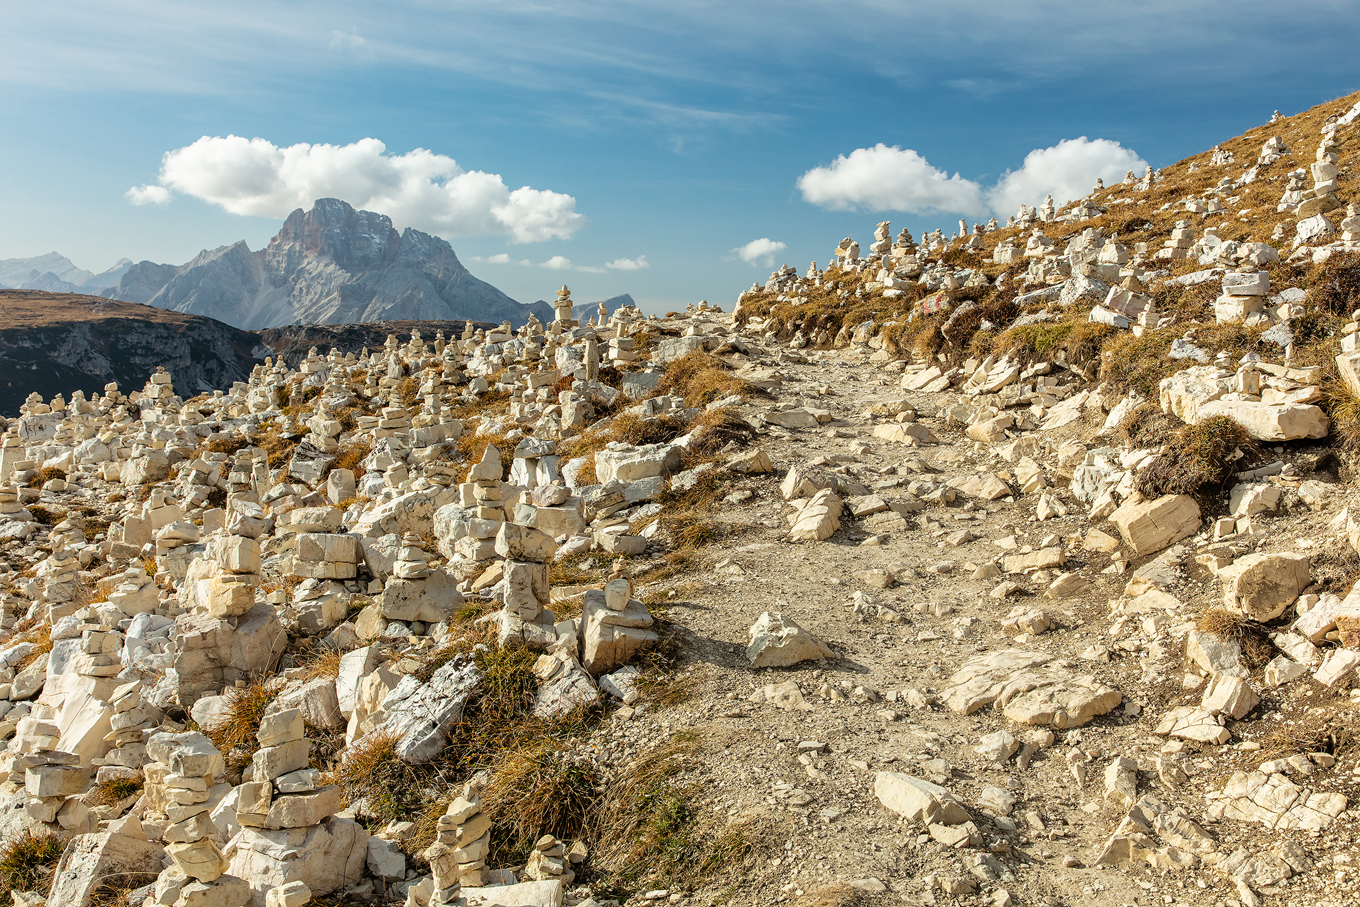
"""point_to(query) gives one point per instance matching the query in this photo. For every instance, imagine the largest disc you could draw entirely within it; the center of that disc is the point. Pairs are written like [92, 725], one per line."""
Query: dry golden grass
[538, 790]
[1147, 426]
[41, 637]
[323, 663]
[28, 862]
[235, 734]
[373, 778]
[1253, 638]
[349, 456]
[1199, 459]
[107, 793]
[700, 378]
[45, 475]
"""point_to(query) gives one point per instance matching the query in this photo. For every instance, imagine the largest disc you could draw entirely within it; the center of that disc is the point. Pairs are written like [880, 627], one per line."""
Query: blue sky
[665, 134]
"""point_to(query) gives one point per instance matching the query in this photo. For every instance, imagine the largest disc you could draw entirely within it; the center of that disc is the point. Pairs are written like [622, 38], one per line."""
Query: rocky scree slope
[329, 265]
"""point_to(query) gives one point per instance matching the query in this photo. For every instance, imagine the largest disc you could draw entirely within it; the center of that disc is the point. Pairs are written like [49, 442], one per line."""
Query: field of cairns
[1012, 568]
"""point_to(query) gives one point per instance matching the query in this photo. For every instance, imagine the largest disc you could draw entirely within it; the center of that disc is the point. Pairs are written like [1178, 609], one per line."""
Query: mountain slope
[54, 343]
[330, 265]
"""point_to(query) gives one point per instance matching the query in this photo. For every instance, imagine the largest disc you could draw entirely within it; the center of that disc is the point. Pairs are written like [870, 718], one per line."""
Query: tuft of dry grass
[700, 378]
[1198, 460]
[374, 778]
[235, 734]
[45, 475]
[714, 430]
[1251, 637]
[116, 790]
[322, 664]
[638, 430]
[1147, 426]
[535, 791]
[349, 456]
[28, 861]
[41, 637]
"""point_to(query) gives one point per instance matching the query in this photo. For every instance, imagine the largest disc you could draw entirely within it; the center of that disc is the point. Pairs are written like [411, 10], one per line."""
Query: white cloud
[760, 252]
[883, 178]
[557, 263]
[500, 258]
[629, 264]
[350, 40]
[898, 179]
[1067, 171]
[148, 195]
[419, 189]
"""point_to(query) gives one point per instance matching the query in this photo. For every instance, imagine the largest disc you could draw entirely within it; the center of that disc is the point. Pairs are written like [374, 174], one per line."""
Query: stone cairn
[281, 806]
[180, 784]
[54, 780]
[129, 725]
[1179, 245]
[462, 844]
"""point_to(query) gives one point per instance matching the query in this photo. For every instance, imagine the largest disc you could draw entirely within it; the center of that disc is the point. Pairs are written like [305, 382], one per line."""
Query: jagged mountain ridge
[330, 265]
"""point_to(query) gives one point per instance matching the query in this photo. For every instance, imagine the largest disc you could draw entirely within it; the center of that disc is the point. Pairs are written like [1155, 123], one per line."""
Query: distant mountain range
[55, 273]
[330, 265]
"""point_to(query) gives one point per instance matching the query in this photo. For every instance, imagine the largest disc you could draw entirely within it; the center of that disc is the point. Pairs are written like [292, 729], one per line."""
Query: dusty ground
[832, 828]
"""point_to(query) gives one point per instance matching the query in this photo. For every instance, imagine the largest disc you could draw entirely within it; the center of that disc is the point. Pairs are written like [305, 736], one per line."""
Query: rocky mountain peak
[332, 264]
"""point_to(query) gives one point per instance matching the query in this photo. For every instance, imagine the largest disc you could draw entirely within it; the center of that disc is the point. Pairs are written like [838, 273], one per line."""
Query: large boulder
[421, 715]
[778, 642]
[1271, 421]
[324, 857]
[1261, 586]
[1149, 526]
[89, 860]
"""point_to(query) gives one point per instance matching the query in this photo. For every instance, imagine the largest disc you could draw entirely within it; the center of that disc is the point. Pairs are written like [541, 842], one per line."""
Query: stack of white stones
[562, 307]
[881, 247]
[1322, 198]
[458, 855]
[289, 832]
[100, 645]
[54, 782]
[159, 387]
[1350, 225]
[180, 784]
[1272, 151]
[548, 862]
[1178, 246]
[282, 791]
[1243, 298]
[60, 574]
[413, 561]
[130, 727]
[320, 549]
[482, 491]
[395, 421]
[135, 593]
[622, 348]
[527, 552]
[615, 626]
[11, 452]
